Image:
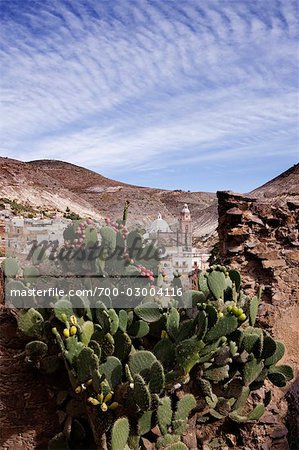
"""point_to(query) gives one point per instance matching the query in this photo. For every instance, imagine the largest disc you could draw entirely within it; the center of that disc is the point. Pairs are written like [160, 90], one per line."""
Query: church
[176, 239]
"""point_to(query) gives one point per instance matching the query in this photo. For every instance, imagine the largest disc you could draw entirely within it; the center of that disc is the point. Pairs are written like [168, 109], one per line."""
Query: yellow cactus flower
[242, 317]
[220, 315]
[114, 405]
[104, 407]
[93, 401]
[66, 333]
[108, 397]
[235, 310]
[73, 320]
[78, 389]
[73, 330]
[164, 334]
[100, 397]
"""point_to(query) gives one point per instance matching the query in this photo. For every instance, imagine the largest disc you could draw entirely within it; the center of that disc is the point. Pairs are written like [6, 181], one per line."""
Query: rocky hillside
[284, 187]
[58, 185]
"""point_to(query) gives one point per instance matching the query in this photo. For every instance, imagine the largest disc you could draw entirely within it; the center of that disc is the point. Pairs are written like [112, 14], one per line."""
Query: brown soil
[27, 409]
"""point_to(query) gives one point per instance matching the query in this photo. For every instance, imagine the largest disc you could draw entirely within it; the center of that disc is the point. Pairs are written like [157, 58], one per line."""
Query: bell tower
[185, 227]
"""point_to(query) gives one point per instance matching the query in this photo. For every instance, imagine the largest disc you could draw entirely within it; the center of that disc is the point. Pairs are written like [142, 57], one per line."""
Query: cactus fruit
[120, 434]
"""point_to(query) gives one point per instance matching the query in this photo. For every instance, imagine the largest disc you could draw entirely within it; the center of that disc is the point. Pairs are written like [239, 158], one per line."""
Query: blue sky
[187, 94]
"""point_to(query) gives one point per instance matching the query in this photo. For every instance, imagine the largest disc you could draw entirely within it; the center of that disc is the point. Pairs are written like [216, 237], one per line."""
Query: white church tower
[185, 228]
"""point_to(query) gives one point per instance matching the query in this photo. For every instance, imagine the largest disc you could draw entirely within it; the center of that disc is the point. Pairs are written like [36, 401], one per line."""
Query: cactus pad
[156, 378]
[164, 414]
[120, 434]
[31, 323]
[140, 363]
[149, 312]
[223, 327]
[112, 369]
[141, 393]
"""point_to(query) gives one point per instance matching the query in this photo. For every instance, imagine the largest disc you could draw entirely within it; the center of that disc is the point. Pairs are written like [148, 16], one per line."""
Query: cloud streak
[140, 85]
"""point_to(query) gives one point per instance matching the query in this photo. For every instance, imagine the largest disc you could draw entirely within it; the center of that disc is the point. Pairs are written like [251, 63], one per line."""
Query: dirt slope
[56, 184]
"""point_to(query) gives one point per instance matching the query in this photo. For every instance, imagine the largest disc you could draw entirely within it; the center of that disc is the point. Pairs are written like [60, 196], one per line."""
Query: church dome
[185, 209]
[159, 225]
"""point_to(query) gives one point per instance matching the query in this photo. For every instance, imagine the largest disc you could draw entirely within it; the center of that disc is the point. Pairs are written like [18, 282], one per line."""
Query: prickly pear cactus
[124, 366]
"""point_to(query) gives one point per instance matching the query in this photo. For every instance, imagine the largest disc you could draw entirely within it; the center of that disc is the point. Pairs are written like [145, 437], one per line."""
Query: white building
[176, 239]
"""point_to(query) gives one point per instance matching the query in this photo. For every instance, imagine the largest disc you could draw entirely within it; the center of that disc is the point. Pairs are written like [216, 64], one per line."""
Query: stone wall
[261, 240]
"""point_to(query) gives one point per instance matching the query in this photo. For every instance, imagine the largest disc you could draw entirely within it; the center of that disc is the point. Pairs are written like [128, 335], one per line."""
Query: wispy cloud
[144, 85]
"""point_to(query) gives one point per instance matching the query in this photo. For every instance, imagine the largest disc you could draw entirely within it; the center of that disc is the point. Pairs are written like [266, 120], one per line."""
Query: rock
[279, 432]
[262, 244]
[273, 263]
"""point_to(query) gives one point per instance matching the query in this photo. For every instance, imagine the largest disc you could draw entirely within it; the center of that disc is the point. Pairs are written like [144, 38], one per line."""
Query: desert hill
[284, 186]
[58, 185]
[51, 184]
